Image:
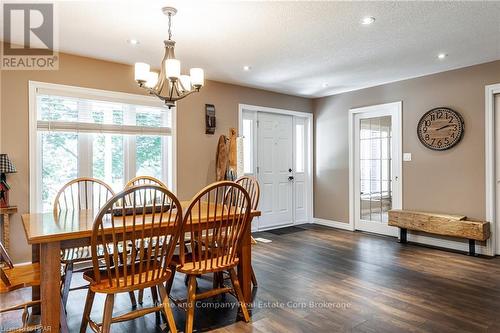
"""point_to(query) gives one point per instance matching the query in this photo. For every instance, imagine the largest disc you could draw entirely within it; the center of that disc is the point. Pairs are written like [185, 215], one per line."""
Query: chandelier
[169, 86]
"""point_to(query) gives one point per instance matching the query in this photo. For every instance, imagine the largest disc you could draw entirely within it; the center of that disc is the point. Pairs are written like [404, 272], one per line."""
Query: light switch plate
[407, 157]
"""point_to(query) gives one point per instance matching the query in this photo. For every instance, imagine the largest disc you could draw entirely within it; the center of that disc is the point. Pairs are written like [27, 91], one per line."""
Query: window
[90, 133]
[247, 145]
[299, 145]
[248, 137]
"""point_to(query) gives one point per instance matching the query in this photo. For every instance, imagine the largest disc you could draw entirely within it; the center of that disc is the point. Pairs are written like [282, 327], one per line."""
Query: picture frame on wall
[210, 121]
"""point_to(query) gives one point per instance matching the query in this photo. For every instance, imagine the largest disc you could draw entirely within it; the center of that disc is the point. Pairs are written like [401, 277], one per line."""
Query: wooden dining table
[49, 234]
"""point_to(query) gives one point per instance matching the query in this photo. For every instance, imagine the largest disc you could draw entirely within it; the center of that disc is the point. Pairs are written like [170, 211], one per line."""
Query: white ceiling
[292, 47]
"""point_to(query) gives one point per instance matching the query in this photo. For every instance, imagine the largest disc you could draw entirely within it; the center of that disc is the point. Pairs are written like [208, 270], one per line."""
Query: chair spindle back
[251, 185]
[214, 225]
[118, 225]
[82, 193]
[144, 180]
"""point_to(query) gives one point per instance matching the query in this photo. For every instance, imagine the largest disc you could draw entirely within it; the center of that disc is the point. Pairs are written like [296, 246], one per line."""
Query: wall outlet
[407, 157]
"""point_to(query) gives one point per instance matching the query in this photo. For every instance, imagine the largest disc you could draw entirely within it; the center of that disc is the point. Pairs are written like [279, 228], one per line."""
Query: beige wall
[449, 181]
[196, 150]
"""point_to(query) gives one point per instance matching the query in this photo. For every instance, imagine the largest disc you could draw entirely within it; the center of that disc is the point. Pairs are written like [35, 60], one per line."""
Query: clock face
[440, 128]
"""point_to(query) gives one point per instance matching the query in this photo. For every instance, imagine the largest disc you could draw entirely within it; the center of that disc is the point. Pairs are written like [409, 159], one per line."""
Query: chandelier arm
[171, 90]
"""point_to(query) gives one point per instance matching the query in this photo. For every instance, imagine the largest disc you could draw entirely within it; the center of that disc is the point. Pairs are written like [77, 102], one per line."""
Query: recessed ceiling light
[247, 68]
[368, 20]
[133, 41]
[441, 56]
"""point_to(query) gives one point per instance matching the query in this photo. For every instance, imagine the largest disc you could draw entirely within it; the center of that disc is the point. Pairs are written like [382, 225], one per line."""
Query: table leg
[245, 265]
[50, 277]
[35, 291]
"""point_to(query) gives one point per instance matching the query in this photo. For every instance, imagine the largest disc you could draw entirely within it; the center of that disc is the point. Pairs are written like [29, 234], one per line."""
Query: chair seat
[21, 276]
[111, 285]
[191, 267]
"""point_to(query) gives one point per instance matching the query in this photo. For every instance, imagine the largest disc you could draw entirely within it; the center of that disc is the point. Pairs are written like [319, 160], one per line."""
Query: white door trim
[310, 136]
[398, 147]
[493, 245]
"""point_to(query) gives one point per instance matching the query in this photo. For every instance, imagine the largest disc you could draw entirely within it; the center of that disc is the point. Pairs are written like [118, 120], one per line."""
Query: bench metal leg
[472, 247]
[403, 235]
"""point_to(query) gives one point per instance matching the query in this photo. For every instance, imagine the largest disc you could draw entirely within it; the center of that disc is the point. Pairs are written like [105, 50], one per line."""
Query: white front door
[275, 172]
[377, 166]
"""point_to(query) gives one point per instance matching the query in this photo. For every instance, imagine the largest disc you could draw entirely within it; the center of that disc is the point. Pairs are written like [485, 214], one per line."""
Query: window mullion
[84, 146]
[130, 145]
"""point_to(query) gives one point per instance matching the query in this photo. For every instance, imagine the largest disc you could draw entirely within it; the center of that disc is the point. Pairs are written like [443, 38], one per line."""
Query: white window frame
[73, 91]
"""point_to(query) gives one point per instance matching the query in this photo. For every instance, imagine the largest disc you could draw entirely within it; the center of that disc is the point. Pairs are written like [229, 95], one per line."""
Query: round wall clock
[440, 128]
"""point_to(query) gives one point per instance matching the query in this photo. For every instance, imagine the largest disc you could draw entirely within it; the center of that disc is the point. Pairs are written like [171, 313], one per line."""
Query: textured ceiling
[292, 47]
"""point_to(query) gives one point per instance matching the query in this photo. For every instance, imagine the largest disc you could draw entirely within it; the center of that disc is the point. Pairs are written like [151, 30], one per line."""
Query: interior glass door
[376, 170]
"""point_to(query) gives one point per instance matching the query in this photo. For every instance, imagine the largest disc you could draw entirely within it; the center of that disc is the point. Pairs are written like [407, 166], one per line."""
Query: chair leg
[131, 295]
[141, 296]
[167, 308]
[239, 294]
[86, 311]
[191, 302]
[170, 281]
[63, 320]
[108, 313]
[68, 274]
[254, 278]
[216, 280]
[154, 295]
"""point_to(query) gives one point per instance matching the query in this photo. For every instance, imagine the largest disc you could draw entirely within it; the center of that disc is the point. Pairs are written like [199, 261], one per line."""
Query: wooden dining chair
[149, 266]
[251, 185]
[18, 277]
[214, 225]
[145, 180]
[80, 194]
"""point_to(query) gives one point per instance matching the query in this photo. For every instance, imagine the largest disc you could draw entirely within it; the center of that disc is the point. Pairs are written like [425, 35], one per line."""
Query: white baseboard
[333, 224]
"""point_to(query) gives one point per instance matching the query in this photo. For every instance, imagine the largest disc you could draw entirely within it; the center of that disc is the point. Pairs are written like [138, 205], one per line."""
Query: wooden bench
[440, 224]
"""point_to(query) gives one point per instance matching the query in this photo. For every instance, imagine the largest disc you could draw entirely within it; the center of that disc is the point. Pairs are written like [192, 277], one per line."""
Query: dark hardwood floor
[327, 280]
